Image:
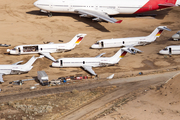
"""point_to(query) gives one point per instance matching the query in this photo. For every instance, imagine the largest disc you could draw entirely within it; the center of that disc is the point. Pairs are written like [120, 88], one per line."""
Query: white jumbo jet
[17, 69]
[46, 49]
[89, 62]
[131, 41]
[101, 9]
[169, 50]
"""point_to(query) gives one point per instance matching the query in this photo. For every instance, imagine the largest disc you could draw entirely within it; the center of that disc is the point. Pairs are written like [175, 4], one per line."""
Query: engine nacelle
[43, 11]
[97, 19]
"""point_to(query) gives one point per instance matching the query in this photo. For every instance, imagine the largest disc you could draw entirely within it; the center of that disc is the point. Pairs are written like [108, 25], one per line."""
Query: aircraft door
[170, 51]
[61, 63]
[102, 44]
[19, 50]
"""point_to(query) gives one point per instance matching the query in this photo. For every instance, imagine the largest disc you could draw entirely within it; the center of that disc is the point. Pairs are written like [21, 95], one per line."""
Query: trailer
[43, 78]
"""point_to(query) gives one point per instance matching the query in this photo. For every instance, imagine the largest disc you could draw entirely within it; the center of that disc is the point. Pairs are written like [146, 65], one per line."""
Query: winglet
[119, 21]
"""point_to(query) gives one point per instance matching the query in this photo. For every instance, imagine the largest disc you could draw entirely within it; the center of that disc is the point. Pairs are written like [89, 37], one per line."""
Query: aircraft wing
[100, 55]
[98, 15]
[17, 63]
[1, 78]
[46, 54]
[89, 69]
[131, 49]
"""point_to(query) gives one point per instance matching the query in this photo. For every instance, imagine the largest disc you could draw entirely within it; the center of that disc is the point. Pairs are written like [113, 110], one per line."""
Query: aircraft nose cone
[161, 52]
[35, 3]
[54, 64]
[95, 46]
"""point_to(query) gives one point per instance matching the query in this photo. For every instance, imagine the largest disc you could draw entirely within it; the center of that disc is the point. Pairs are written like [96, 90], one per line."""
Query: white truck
[43, 78]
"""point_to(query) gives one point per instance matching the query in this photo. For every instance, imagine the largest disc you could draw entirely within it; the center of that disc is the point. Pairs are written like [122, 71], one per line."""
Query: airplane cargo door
[170, 51]
[61, 63]
[102, 44]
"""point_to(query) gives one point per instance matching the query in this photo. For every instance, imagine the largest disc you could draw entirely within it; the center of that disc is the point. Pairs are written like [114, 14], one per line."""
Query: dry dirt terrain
[21, 23]
[160, 103]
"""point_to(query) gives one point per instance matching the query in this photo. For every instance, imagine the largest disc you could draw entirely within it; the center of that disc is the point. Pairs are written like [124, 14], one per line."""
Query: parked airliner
[46, 49]
[101, 9]
[131, 41]
[17, 69]
[98, 61]
[169, 50]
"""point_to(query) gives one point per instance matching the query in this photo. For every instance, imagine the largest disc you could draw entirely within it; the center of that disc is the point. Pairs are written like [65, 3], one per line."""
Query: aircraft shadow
[88, 21]
[155, 14]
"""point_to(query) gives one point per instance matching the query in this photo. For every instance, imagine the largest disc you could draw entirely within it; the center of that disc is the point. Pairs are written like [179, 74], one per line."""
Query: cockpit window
[56, 61]
[165, 49]
[97, 43]
[14, 49]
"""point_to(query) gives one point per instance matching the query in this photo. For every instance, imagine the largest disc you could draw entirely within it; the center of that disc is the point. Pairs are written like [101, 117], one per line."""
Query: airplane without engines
[101, 9]
[46, 49]
[16, 68]
[89, 62]
[169, 50]
[131, 41]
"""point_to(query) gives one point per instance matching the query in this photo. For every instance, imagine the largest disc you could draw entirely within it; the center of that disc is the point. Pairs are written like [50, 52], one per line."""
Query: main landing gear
[49, 14]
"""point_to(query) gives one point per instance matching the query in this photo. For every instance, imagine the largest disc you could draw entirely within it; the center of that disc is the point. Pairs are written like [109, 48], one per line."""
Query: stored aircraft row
[86, 63]
[101, 9]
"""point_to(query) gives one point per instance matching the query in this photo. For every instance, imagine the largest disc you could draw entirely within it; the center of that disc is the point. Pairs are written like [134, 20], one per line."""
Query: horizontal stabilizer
[164, 28]
[167, 5]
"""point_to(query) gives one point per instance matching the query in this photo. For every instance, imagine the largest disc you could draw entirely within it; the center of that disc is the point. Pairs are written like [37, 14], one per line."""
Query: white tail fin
[76, 40]
[157, 33]
[31, 61]
[122, 52]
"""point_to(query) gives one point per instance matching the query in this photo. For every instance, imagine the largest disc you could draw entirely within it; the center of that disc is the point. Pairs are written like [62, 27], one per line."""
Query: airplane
[46, 49]
[131, 41]
[169, 50]
[176, 36]
[88, 62]
[101, 9]
[16, 68]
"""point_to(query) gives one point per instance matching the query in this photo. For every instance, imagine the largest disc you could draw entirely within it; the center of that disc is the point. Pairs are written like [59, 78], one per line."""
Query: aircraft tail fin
[31, 61]
[122, 52]
[157, 32]
[76, 40]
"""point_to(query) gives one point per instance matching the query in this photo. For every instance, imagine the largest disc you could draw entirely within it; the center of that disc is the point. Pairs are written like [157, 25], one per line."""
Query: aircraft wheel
[49, 14]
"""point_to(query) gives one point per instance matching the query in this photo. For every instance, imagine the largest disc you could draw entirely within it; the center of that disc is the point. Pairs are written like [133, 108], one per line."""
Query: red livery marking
[155, 4]
[119, 21]
[79, 40]
[159, 33]
[123, 54]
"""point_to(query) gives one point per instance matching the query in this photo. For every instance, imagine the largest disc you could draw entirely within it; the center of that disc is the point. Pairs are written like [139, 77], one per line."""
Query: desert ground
[22, 24]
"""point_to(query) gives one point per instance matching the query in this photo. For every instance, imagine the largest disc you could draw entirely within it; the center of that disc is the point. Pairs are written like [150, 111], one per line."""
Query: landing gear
[49, 14]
